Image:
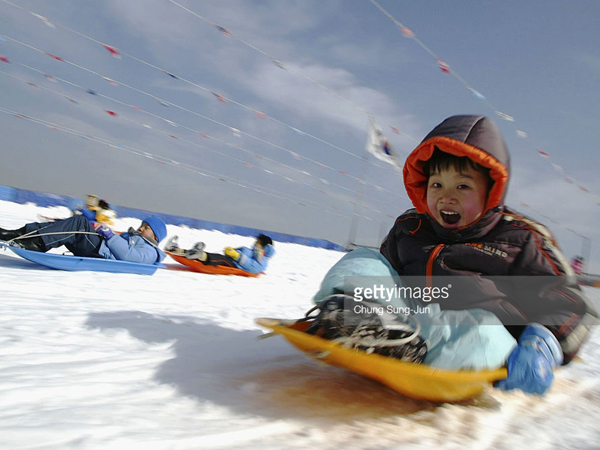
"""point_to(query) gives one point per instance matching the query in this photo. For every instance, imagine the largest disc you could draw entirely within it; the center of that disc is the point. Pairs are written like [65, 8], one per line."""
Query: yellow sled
[412, 380]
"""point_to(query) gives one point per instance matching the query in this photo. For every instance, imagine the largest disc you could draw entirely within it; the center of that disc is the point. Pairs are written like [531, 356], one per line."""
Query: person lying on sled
[82, 239]
[253, 260]
[457, 179]
[96, 210]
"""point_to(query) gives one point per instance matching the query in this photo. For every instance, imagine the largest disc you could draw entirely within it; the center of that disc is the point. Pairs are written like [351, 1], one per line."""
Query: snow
[173, 361]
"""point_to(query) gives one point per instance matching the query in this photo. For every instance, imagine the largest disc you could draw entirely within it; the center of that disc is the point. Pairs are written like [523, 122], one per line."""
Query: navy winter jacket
[501, 243]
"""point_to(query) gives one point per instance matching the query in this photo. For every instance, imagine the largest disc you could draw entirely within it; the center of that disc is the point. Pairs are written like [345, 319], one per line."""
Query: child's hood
[474, 136]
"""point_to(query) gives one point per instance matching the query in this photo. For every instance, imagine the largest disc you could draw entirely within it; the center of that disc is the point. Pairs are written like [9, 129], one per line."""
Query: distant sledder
[79, 236]
[234, 261]
[96, 210]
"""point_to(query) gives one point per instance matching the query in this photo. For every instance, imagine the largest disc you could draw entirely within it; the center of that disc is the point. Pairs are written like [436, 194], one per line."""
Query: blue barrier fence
[17, 195]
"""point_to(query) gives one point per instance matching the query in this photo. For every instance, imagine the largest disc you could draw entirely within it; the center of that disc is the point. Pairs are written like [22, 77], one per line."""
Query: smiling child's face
[457, 199]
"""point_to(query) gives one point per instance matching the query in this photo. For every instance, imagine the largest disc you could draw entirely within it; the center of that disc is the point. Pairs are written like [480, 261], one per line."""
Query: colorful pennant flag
[219, 97]
[395, 130]
[278, 64]
[379, 145]
[112, 50]
[110, 81]
[4, 59]
[406, 32]
[477, 94]
[262, 115]
[505, 116]
[224, 31]
[444, 67]
[172, 75]
[111, 113]
[58, 58]
[45, 20]
[543, 154]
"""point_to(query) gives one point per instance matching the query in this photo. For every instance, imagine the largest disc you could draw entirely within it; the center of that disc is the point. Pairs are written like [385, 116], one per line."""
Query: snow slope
[173, 361]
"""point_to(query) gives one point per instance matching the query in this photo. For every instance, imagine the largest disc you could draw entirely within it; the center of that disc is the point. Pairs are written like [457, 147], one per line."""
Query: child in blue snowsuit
[82, 239]
[253, 260]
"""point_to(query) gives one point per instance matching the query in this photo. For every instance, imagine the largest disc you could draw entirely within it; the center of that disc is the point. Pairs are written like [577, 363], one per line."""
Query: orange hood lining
[415, 179]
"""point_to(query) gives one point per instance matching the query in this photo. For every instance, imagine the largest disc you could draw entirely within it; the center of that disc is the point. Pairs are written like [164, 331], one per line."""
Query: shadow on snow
[267, 377]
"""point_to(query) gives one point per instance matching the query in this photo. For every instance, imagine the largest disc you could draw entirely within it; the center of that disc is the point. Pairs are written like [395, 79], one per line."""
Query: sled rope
[34, 233]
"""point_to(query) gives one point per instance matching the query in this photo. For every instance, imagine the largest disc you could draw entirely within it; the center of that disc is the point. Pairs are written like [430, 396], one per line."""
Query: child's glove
[232, 253]
[531, 363]
[104, 231]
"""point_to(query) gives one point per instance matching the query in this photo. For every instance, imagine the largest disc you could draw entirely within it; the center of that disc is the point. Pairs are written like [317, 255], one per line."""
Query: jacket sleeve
[132, 248]
[390, 247]
[248, 261]
[88, 214]
[561, 306]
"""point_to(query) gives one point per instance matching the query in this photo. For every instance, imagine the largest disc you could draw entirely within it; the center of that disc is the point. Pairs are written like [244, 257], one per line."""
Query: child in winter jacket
[79, 236]
[253, 260]
[96, 210]
[457, 179]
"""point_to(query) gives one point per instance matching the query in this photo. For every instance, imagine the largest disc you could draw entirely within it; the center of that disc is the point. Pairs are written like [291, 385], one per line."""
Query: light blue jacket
[471, 339]
[132, 248]
[252, 260]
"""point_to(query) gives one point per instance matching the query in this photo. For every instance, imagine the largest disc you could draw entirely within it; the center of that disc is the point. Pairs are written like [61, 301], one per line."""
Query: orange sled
[197, 266]
[418, 381]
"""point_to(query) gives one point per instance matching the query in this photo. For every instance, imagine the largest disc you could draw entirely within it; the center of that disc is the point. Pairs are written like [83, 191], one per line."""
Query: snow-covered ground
[173, 361]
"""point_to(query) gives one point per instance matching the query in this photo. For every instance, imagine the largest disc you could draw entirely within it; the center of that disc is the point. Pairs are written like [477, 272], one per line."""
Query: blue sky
[344, 60]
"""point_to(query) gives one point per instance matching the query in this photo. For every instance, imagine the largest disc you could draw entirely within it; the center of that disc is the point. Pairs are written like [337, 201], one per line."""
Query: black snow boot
[7, 235]
[34, 243]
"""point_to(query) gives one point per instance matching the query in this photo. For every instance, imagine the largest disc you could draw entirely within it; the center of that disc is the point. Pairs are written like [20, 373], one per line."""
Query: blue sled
[77, 263]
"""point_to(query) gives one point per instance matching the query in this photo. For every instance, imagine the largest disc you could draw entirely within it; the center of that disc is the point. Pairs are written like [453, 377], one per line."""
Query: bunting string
[245, 163]
[238, 147]
[281, 65]
[117, 53]
[168, 161]
[554, 222]
[445, 68]
[238, 132]
[221, 98]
